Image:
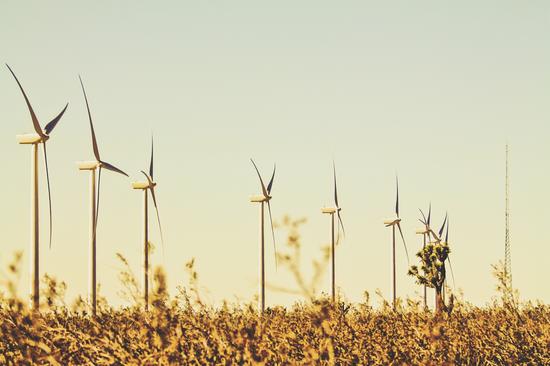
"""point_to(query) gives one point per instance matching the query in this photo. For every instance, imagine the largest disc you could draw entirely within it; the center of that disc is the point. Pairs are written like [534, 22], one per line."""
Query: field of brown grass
[177, 333]
[182, 330]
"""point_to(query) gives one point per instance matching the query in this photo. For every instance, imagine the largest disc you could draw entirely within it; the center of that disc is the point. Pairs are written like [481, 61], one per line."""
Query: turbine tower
[331, 211]
[263, 199]
[148, 186]
[39, 137]
[426, 236]
[92, 167]
[393, 223]
[507, 252]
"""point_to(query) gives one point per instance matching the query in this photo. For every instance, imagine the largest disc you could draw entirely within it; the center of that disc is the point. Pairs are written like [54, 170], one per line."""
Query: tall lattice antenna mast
[507, 253]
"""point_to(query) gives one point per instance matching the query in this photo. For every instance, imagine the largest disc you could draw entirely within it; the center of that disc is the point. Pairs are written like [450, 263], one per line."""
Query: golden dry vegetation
[183, 330]
[179, 334]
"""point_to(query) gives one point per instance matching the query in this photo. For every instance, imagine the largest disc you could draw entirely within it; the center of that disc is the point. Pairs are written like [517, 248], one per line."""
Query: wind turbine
[145, 186]
[93, 166]
[445, 227]
[331, 211]
[39, 137]
[263, 199]
[426, 236]
[393, 223]
[438, 239]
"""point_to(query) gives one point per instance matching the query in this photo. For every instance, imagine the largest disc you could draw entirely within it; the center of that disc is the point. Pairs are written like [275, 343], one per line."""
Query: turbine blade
[51, 125]
[49, 190]
[94, 141]
[112, 168]
[404, 244]
[261, 180]
[35, 123]
[449, 257]
[335, 186]
[337, 232]
[452, 272]
[158, 219]
[424, 221]
[97, 198]
[270, 184]
[152, 189]
[431, 233]
[442, 226]
[151, 163]
[272, 233]
[447, 232]
[341, 223]
[97, 203]
[397, 197]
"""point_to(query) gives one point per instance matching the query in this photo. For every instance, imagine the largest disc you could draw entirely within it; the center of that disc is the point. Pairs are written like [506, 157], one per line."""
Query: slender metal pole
[507, 245]
[35, 237]
[425, 289]
[333, 272]
[262, 266]
[145, 251]
[394, 286]
[92, 294]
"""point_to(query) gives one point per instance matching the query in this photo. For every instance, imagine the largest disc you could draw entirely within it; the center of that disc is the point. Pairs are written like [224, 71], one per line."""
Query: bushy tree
[432, 272]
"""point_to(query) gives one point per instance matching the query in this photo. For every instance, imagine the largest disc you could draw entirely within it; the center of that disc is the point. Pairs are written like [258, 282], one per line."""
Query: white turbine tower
[148, 186]
[35, 139]
[393, 223]
[331, 211]
[263, 199]
[92, 167]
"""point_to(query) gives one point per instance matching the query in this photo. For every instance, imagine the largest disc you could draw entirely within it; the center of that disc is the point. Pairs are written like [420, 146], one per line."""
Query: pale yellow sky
[431, 90]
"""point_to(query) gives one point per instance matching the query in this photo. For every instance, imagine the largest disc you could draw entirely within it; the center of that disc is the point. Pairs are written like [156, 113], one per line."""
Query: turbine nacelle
[89, 165]
[424, 231]
[259, 199]
[330, 210]
[31, 139]
[143, 185]
[392, 222]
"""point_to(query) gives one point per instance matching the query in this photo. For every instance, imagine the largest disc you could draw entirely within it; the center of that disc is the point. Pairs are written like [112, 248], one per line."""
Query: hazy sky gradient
[431, 90]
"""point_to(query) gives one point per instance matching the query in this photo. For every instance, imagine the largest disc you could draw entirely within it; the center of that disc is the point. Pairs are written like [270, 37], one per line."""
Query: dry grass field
[181, 329]
[177, 333]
